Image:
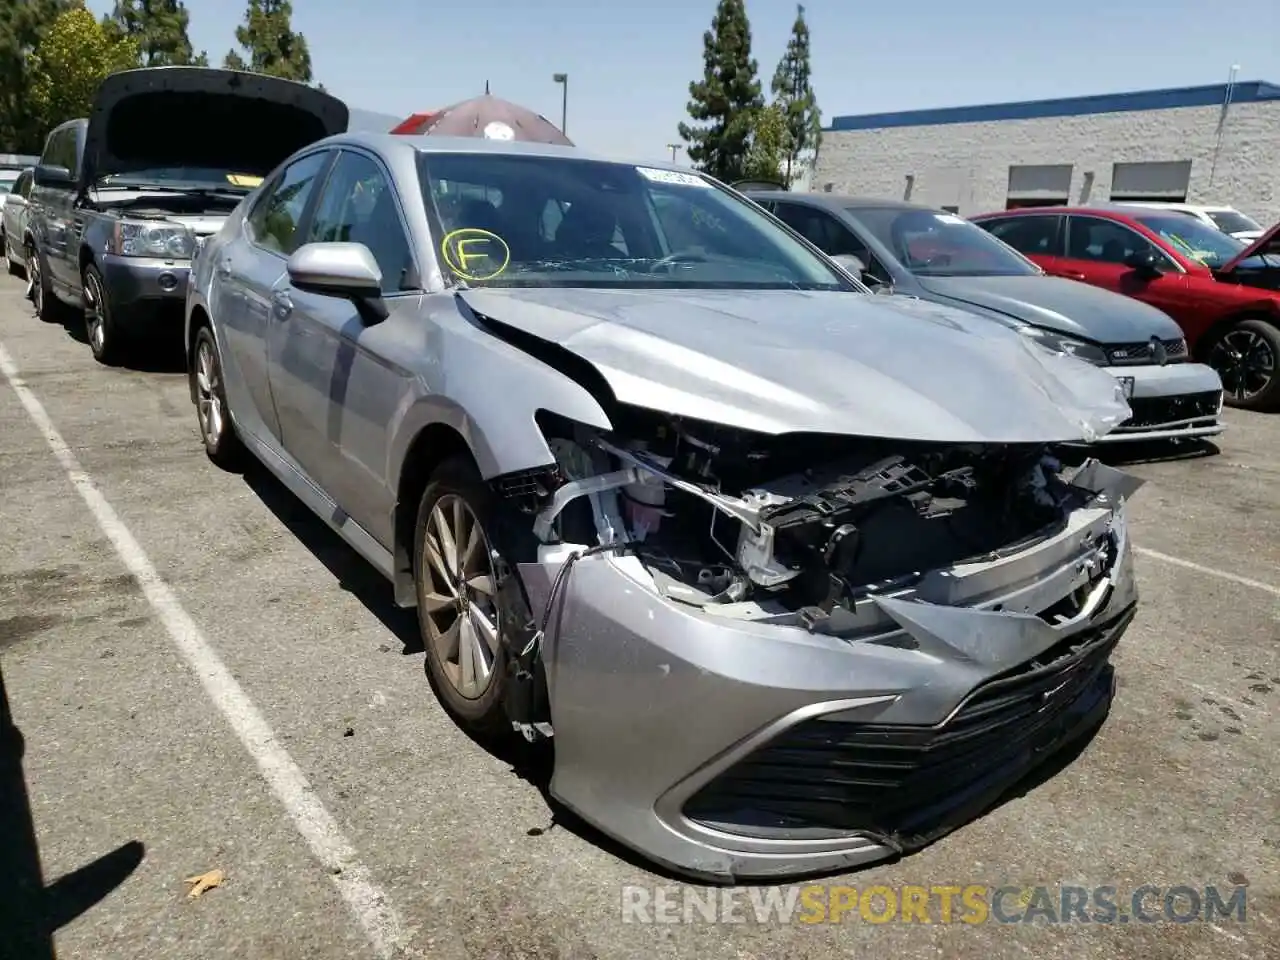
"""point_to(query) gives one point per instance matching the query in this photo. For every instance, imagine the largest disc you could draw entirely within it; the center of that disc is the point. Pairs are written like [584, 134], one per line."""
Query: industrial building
[1216, 144]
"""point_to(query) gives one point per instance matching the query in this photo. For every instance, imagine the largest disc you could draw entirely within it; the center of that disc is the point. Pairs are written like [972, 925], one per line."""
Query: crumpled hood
[824, 362]
[202, 117]
[1066, 306]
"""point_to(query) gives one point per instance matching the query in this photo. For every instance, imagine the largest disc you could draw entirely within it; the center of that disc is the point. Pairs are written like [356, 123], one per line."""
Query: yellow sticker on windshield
[243, 180]
[475, 254]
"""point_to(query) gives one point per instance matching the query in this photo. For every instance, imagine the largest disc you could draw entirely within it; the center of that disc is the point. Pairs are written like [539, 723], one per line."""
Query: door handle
[281, 305]
[1073, 275]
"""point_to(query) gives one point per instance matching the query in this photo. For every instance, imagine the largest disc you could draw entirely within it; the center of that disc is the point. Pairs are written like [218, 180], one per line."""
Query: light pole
[673, 147]
[563, 80]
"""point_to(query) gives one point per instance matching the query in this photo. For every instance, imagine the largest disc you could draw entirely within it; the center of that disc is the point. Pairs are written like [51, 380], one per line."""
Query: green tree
[725, 101]
[159, 28]
[270, 44]
[22, 25]
[793, 91]
[770, 144]
[74, 56]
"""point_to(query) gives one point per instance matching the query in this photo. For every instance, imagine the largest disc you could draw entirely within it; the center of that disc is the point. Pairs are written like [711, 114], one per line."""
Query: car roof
[390, 143]
[836, 201]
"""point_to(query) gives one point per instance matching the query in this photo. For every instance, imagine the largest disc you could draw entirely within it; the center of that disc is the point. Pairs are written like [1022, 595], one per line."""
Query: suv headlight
[152, 238]
[1059, 343]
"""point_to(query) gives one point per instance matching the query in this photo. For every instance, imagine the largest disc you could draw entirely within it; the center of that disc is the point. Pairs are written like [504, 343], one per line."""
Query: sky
[630, 64]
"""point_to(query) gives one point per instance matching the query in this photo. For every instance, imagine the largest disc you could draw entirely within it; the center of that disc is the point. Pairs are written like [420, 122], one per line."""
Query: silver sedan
[785, 570]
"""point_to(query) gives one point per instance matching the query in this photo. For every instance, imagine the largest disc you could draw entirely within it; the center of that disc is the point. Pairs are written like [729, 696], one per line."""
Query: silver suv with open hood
[123, 197]
[784, 569]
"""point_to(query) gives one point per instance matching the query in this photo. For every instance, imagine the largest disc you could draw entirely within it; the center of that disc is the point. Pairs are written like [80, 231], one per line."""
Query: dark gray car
[122, 198]
[917, 251]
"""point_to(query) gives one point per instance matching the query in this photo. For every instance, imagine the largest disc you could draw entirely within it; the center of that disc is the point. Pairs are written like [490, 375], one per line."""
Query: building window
[1163, 180]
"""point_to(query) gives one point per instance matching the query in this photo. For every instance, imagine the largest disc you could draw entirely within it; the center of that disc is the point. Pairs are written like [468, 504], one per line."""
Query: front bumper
[729, 748]
[145, 291]
[1173, 402]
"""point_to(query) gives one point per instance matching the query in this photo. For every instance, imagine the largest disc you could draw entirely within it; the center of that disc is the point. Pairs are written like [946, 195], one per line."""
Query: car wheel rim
[93, 322]
[1246, 363]
[459, 596]
[33, 273]
[209, 400]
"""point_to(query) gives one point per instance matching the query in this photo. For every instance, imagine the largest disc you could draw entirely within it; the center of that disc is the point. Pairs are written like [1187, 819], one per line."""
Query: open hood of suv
[202, 117]
[1266, 245]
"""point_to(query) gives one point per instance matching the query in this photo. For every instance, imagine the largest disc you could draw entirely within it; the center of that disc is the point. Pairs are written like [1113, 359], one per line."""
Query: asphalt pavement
[202, 678]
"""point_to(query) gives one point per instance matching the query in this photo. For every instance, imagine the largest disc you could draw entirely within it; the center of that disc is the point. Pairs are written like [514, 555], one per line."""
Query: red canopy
[485, 116]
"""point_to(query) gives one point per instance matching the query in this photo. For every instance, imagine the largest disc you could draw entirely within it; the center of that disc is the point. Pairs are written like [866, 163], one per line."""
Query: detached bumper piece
[1157, 418]
[907, 786]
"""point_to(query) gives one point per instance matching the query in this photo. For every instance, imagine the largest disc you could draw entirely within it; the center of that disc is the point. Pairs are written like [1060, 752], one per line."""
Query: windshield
[1193, 239]
[219, 178]
[514, 220]
[1231, 221]
[934, 244]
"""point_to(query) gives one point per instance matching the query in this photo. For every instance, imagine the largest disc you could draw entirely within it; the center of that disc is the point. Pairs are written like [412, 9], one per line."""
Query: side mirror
[851, 264]
[46, 175]
[1145, 263]
[340, 270]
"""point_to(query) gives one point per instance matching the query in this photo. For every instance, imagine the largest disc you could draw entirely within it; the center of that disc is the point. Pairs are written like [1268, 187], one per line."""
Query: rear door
[1097, 248]
[248, 272]
[334, 377]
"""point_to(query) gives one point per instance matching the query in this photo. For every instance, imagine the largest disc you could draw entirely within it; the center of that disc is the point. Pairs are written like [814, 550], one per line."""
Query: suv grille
[917, 781]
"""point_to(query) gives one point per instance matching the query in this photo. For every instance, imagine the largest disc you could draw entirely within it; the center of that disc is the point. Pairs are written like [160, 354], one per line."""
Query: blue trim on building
[1251, 91]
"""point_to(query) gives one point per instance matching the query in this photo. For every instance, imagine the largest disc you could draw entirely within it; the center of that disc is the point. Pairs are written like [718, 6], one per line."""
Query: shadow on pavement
[30, 912]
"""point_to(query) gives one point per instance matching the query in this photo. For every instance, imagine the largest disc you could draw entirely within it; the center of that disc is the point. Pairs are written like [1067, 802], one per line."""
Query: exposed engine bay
[750, 526]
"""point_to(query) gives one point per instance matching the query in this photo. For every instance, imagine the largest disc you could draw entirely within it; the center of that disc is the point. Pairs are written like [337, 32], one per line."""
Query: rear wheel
[456, 570]
[216, 429]
[38, 287]
[1247, 357]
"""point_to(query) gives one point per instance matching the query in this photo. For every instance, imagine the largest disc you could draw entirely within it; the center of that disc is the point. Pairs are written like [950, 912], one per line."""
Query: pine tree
[159, 28]
[22, 24]
[793, 92]
[728, 97]
[268, 39]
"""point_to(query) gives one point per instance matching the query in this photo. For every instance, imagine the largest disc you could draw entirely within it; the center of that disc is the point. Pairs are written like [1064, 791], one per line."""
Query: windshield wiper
[193, 191]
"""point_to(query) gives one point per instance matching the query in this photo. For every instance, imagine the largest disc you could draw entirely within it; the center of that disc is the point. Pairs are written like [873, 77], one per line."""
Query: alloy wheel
[1246, 363]
[35, 280]
[459, 596]
[94, 323]
[208, 396]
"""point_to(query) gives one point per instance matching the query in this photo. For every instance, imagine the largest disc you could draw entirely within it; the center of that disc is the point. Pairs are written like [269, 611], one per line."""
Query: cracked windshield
[534, 221]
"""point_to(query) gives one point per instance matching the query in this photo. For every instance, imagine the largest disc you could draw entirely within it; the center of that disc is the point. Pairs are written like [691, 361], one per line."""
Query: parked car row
[788, 572]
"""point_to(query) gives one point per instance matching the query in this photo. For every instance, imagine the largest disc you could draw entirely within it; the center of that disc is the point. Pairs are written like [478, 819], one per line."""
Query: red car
[1223, 292]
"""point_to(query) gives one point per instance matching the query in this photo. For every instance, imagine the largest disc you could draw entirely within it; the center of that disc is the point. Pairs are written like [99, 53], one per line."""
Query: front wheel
[39, 289]
[456, 570]
[216, 429]
[1247, 358]
[105, 338]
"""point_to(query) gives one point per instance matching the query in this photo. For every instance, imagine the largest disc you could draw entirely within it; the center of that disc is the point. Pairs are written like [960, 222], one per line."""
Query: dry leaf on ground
[203, 882]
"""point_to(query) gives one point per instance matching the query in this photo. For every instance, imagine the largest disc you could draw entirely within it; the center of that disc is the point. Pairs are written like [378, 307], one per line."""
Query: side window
[274, 220]
[1028, 235]
[23, 186]
[822, 230]
[60, 150]
[1105, 241]
[358, 205]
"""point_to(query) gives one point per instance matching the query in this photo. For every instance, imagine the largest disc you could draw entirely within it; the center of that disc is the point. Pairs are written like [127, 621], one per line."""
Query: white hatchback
[1227, 219]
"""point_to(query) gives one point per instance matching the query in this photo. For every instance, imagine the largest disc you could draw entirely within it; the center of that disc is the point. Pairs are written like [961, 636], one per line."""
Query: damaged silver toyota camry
[786, 571]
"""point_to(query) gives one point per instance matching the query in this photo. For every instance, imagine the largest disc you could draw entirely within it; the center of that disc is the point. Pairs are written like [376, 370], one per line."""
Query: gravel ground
[135, 780]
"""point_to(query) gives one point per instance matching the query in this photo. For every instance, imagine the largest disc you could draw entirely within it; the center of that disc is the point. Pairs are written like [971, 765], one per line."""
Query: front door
[335, 377]
[1097, 249]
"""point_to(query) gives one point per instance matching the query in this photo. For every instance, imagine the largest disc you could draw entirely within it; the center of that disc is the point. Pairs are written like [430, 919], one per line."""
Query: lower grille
[915, 783]
[1149, 412]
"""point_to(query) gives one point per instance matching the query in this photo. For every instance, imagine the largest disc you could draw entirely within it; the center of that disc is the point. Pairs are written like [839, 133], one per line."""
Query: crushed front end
[768, 656]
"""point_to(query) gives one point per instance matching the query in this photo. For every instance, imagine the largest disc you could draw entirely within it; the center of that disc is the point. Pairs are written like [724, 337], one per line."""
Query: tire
[457, 496]
[101, 328]
[47, 307]
[1247, 358]
[218, 433]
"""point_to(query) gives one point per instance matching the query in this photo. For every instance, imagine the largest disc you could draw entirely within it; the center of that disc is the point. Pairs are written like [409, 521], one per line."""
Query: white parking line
[1208, 571]
[371, 906]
